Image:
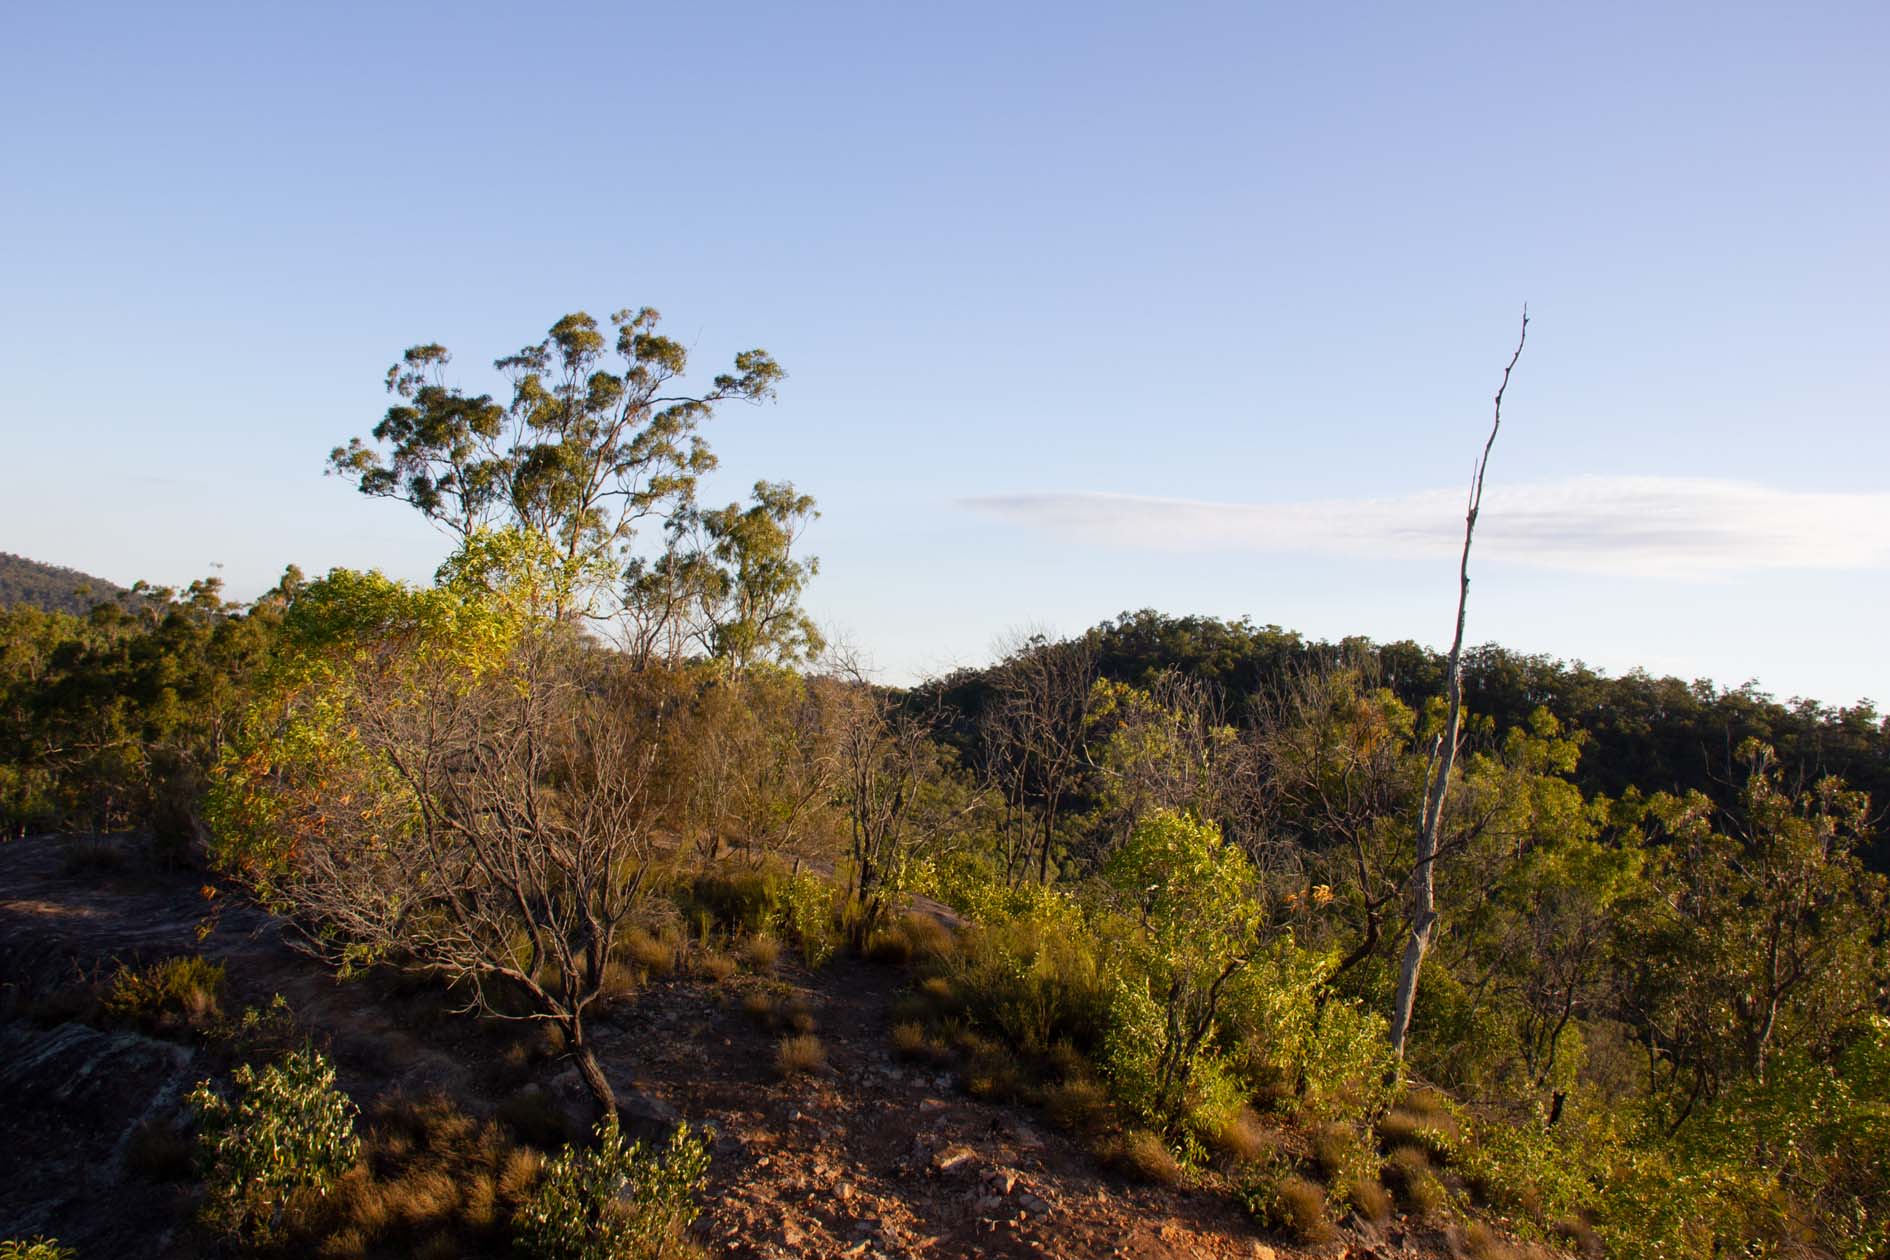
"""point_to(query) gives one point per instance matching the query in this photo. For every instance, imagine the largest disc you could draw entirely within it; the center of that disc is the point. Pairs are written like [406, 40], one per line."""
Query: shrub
[616, 1202]
[734, 901]
[1034, 979]
[809, 907]
[92, 857]
[288, 1134]
[799, 1054]
[186, 990]
[35, 1249]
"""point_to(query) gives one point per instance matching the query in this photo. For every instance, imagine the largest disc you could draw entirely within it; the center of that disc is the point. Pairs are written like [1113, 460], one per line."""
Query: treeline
[1642, 732]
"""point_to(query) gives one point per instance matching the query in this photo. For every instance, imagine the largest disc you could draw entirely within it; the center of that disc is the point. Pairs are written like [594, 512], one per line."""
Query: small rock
[953, 1157]
[844, 1191]
[1262, 1252]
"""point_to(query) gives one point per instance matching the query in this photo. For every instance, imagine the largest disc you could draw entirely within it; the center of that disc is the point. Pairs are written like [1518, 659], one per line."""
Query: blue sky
[1084, 308]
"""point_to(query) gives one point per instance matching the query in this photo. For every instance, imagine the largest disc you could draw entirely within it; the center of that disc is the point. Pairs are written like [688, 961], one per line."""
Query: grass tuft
[799, 1055]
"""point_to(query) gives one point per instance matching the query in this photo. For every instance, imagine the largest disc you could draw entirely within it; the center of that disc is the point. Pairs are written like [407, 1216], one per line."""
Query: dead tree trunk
[1443, 754]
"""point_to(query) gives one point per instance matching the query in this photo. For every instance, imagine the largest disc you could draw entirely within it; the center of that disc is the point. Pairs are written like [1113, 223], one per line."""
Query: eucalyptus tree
[596, 440]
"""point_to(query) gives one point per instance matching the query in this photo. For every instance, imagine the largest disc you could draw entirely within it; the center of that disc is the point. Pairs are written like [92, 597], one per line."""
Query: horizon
[1082, 310]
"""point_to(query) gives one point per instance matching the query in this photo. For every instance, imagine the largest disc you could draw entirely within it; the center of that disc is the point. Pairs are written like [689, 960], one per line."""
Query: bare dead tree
[1032, 738]
[498, 834]
[888, 770]
[1443, 753]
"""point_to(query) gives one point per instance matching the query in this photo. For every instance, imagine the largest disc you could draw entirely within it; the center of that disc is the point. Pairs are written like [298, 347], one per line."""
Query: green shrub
[1034, 979]
[808, 903]
[35, 1249]
[288, 1134]
[186, 990]
[616, 1202]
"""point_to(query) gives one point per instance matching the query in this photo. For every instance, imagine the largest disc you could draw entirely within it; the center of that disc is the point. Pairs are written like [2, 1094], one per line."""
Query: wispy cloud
[1656, 526]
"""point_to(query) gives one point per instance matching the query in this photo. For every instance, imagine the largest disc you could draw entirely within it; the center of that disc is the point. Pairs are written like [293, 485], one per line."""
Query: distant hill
[48, 586]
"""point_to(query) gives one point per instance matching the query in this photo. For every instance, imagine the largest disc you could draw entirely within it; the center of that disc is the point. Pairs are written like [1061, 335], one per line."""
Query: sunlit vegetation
[1166, 865]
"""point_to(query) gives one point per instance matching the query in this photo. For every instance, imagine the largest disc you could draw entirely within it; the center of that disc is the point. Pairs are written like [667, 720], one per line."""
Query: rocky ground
[869, 1157]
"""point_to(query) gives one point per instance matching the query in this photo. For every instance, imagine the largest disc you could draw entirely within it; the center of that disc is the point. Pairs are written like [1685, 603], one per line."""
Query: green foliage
[808, 903]
[1037, 977]
[1197, 921]
[113, 719]
[187, 988]
[618, 1201]
[40, 1248]
[586, 450]
[288, 1134]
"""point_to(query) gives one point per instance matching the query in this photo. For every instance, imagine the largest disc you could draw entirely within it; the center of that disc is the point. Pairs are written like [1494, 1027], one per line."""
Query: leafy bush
[35, 1249]
[1036, 979]
[288, 1134]
[617, 1202]
[808, 904]
[183, 990]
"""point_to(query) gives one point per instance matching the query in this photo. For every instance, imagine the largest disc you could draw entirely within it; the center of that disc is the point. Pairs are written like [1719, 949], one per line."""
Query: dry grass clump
[1242, 1139]
[1335, 1149]
[1480, 1242]
[1580, 1237]
[1421, 1121]
[910, 1042]
[433, 1182]
[941, 993]
[800, 1016]
[761, 951]
[159, 1152]
[989, 1069]
[887, 945]
[1409, 1173]
[653, 956]
[1369, 1198]
[1077, 1104]
[1146, 1157]
[762, 1007]
[186, 991]
[930, 939]
[619, 982]
[1302, 1209]
[536, 1118]
[91, 856]
[716, 967]
[799, 1055]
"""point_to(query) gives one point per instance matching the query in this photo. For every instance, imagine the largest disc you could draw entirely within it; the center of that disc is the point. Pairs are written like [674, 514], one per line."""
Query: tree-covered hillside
[51, 587]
